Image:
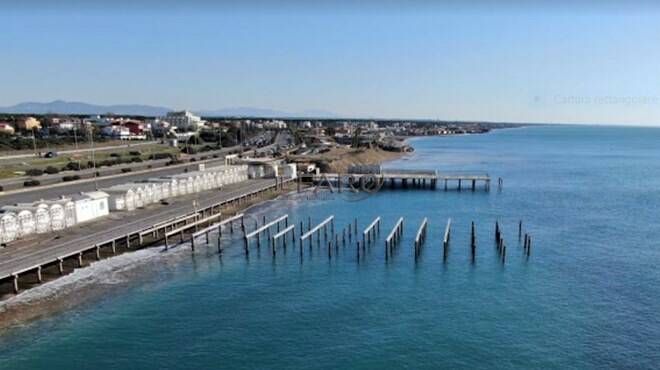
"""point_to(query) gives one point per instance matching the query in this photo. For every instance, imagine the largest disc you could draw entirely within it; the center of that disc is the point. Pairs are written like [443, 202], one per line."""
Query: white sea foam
[110, 271]
[114, 270]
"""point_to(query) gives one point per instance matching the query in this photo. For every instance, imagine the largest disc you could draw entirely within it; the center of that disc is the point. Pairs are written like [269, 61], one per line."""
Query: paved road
[103, 182]
[55, 192]
[46, 249]
[80, 150]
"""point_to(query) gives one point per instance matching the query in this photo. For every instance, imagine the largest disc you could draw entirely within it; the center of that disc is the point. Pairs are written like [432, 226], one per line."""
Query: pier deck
[414, 178]
[125, 228]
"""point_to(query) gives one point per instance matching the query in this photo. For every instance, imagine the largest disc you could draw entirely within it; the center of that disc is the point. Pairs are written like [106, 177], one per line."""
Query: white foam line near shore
[110, 271]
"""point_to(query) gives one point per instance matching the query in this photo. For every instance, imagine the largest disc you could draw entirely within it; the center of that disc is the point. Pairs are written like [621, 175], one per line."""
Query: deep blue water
[587, 298]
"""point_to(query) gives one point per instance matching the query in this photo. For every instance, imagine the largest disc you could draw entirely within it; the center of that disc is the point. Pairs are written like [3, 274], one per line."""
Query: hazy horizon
[530, 64]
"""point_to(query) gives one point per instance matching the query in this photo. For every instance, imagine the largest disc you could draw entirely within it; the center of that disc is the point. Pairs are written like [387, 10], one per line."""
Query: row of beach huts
[23, 219]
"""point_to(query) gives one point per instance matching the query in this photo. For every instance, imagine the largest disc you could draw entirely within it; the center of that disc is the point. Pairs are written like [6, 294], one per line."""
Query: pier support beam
[15, 283]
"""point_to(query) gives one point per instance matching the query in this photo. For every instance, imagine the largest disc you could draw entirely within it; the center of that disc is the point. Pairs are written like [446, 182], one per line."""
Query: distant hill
[66, 107]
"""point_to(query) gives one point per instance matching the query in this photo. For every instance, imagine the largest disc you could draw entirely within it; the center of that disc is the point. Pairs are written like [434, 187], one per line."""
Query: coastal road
[57, 190]
[47, 248]
[80, 150]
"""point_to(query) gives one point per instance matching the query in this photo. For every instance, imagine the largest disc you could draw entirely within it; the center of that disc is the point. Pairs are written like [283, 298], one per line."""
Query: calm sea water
[587, 298]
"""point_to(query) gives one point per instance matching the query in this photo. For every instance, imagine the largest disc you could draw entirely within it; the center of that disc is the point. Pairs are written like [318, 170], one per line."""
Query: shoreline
[97, 279]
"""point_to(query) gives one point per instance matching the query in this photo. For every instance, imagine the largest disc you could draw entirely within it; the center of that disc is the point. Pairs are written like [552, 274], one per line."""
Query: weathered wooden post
[219, 239]
[519, 229]
[15, 283]
[529, 245]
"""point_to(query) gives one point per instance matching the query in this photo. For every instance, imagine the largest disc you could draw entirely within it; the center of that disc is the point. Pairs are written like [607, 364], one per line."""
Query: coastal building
[184, 121]
[68, 210]
[28, 124]
[8, 227]
[98, 121]
[91, 205]
[116, 132]
[25, 224]
[7, 128]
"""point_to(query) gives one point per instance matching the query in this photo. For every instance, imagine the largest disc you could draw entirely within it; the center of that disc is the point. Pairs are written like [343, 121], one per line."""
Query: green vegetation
[74, 162]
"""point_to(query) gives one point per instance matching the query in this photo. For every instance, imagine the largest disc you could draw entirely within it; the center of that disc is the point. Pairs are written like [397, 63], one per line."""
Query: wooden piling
[15, 283]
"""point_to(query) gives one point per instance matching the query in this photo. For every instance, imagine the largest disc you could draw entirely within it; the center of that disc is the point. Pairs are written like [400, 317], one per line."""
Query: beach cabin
[41, 219]
[198, 183]
[121, 197]
[186, 183]
[68, 212]
[8, 227]
[24, 220]
[91, 206]
[57, 216]
[156, 191]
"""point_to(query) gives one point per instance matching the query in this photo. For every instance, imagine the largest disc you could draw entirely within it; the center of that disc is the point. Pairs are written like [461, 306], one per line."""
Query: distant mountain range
[66, 107]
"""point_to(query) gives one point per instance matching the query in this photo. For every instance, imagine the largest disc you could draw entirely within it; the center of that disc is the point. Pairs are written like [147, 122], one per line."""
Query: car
[50, 155]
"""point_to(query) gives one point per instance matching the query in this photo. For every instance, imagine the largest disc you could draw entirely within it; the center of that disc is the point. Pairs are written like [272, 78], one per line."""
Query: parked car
[50, 155]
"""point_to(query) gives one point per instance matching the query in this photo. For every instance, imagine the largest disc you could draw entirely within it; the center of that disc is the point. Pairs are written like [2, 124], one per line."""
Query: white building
[116, 132]
[8, 227]
[90, 206]
[184, 121]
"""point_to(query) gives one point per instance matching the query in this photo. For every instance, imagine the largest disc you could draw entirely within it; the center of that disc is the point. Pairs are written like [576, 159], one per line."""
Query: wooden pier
[130, 233]
[421, 236]
[407, 179]
[264, 228]
[317, 229]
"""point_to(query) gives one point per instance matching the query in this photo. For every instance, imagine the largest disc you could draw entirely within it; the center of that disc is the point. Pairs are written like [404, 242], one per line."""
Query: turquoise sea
[588, 297]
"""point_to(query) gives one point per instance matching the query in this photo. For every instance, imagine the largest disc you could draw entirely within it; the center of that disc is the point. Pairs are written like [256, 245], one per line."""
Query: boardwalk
[126, 229]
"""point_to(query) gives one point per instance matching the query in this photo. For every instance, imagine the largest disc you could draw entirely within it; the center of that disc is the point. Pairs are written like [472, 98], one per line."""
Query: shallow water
[587, 297]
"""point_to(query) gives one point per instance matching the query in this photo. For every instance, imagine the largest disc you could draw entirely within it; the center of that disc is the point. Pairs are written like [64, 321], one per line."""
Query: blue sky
[522, 64]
